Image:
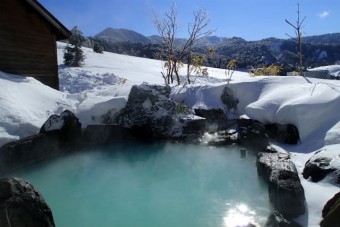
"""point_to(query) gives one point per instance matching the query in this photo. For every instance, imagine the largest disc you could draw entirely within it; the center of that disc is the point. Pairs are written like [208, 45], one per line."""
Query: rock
[322, 163]
[252, 133]
[220, 138]
[270, 149]
[95, 135]
[285, 190]
[266, 162]
[276, 219]
[229, 99]
[292, 134]
[21, 205]
[247, 225]
[283, 133]
[195, 125]
[58, 135]
[150, 113]
[29, 150]
[66, 126]
[216, 119]
[331, 212]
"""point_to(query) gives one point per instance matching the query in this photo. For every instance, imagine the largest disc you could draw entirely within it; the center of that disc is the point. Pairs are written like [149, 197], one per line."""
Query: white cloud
[324, 14]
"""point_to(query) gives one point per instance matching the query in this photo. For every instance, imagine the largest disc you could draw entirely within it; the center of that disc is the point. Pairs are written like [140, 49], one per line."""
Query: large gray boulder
[285, 190]
[150, 113]
[21, 205]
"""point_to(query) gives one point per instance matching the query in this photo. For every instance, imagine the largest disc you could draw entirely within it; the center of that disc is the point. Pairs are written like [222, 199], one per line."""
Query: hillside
[122, 35]
[326, 39]
[317, 50]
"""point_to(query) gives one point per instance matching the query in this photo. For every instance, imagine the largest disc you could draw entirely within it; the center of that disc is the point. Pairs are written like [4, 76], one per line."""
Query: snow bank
[334, 70]
[312, 107]
[25, 106]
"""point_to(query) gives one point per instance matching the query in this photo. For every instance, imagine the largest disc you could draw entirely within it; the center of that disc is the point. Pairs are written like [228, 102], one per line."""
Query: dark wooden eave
[61, 31]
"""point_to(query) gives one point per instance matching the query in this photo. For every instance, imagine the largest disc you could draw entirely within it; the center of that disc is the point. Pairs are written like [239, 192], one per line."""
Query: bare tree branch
[298, 37]
[167, 28]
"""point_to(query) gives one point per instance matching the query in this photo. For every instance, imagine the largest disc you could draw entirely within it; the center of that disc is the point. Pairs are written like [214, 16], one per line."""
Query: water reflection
[239, 215]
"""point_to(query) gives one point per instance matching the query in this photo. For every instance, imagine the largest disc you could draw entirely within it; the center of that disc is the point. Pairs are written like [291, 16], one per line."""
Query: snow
[333, 70]
[101, 87]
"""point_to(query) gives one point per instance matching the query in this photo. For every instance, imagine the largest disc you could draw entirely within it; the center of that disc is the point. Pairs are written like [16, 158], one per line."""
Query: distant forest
[317, 50]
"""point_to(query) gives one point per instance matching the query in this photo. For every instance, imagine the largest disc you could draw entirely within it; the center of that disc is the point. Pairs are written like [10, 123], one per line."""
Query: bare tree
[198, 29]
[298, 37]
[167, 27]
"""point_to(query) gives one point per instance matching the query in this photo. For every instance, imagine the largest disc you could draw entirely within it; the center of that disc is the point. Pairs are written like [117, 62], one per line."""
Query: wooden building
[28, 35]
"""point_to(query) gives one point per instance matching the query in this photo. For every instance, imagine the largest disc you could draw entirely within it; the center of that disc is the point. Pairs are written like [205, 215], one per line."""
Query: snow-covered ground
[105, 80]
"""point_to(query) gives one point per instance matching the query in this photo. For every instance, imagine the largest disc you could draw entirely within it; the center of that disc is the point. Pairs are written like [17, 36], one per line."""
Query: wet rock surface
[29, 150]
[276, 219]
[95, 135]
[58, 135]
[283, 133]
[285, 190]
[21, 205]
[252, 133]
[331, 212]
[216, 119]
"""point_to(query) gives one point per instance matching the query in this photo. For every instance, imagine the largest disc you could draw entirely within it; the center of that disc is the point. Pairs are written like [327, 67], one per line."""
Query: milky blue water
[152, 185]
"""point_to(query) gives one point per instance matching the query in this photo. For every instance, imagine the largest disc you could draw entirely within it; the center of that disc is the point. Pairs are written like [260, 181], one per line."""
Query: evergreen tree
[73, 54]
[98, 48]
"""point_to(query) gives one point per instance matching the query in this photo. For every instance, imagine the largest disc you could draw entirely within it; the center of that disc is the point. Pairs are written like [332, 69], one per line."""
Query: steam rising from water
[152, 185]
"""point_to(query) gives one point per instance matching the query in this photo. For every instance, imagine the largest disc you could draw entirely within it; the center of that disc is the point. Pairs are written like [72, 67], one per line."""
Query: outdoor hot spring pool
[153, 185]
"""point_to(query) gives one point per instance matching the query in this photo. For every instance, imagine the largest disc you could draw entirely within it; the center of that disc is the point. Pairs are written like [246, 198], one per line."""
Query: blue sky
[249, 19]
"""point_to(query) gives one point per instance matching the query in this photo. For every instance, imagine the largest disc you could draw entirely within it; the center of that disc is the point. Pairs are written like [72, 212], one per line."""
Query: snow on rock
[334, 70]
[150, 112]
[53, 123]
[323, 162]
[330, 68]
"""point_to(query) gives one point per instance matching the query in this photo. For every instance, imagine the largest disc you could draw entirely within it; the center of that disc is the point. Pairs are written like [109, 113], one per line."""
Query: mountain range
[126, 35]
[317, 50]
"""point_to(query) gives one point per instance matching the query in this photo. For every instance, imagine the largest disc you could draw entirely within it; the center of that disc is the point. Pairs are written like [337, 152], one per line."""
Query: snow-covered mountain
[104, 82]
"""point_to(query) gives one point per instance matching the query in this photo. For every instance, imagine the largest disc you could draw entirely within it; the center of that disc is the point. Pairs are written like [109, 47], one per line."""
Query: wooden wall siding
[27, 43]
